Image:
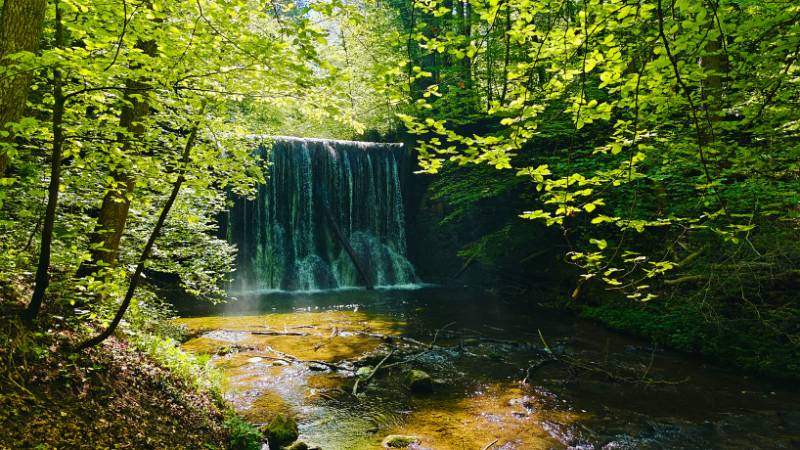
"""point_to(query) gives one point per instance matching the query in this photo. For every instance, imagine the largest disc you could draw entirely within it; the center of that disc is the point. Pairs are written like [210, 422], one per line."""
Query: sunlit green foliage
[678, 124]
[271, 70]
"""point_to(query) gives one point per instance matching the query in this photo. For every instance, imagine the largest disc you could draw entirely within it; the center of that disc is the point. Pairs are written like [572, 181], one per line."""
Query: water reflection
[477, 366]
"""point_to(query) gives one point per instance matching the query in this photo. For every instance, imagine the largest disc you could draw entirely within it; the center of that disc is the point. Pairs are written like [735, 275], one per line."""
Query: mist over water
[285, 237]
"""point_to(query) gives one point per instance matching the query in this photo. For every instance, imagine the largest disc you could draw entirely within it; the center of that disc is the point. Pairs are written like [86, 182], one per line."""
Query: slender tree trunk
[21, 23]
[715, 61]
[489, 75]
[507, 56]
[362, 271]
[467, 31]
[104, 241]
[347, 61]
[42, 277]
[134, 283]
[410, 42]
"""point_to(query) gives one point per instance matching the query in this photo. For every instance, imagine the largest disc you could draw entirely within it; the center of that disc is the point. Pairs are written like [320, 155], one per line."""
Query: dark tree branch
[692, 108]
[185, 158]
[42, 276]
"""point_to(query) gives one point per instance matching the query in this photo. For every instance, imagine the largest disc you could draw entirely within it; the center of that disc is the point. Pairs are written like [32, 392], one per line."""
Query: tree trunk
[104, 241]
[362, 271]
[42, 276]
[467, 32]
[21, 23]
[507, 37]
[134, 283]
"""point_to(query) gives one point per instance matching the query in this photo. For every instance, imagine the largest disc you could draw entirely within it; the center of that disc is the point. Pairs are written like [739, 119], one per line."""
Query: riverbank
[737, 341]
[132, 391]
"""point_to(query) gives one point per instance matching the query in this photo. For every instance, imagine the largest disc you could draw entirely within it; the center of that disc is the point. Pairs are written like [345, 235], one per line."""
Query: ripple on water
[478, 397]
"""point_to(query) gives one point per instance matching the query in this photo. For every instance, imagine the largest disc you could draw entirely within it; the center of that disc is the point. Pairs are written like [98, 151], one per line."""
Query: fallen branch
[281, 333]
[431, 347]
[479, 335]
[277, 358]
[535, 366]
[388, 337]
[295, 359]
[595, 368]
[490, 444]
[436, 334]
[345, 243]
[374, 371]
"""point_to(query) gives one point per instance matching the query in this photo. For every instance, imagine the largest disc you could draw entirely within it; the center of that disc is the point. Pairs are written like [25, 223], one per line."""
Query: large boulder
[419, 382]
[281, 431]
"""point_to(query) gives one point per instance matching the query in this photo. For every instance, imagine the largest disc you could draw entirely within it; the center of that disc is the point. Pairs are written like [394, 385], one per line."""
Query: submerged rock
[265, 407]
[300, 445]
[419, 382]
[399, 441]
[281, 431]
[364, 372]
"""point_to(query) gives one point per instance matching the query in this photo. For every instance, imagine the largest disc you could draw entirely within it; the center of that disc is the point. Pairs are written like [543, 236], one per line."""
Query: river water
[504, 376]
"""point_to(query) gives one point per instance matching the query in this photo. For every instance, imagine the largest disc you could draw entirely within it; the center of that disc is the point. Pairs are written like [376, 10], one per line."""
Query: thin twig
[374, 371]
[125, 21]
[490, 444]
[693, 110]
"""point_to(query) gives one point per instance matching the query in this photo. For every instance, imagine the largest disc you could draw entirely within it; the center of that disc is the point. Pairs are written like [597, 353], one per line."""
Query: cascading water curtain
[285, 237]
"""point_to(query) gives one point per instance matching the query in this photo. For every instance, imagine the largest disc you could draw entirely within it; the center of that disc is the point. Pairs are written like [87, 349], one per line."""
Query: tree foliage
[671, 122]
[169, 67]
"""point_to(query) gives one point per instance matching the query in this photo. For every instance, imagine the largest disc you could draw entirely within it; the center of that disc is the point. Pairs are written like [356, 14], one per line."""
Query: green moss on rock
[298, 446]
[281, 431]
[364, 372]
[419, 382]
[398, 440]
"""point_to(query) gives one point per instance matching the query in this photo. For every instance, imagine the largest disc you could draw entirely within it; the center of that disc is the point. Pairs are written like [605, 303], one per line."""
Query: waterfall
[285, 237]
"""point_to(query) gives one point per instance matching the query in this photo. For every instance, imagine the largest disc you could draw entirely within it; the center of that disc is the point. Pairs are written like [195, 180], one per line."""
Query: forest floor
[110, 396]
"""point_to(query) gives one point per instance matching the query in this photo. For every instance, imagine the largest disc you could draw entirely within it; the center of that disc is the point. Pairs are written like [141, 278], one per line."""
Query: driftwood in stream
[291, 358]
[372, 374]
[381, 336]
[490, 444]
[389, 338]
[427, 348]
[349, 249]
[593, 367]
[258, 333]
[285, 357]
[280, 333]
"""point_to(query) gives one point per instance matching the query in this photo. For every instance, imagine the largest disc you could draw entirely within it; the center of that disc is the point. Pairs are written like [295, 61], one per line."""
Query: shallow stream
[504, 376]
